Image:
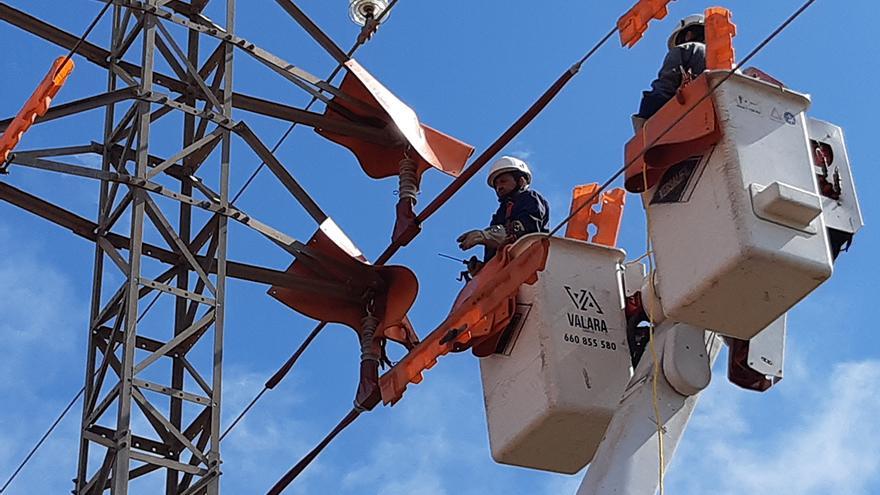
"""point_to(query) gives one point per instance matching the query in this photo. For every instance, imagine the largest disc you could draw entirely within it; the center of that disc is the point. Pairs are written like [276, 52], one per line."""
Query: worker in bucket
[686, 60]
[521, 210]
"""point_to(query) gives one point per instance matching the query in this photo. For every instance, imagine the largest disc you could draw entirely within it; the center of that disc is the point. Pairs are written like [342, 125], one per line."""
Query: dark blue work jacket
[687, 57]
[521, 213]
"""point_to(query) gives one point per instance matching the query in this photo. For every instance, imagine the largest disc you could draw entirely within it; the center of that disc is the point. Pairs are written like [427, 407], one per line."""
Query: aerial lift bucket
[737, 226]
[674, 134]
[553, 385]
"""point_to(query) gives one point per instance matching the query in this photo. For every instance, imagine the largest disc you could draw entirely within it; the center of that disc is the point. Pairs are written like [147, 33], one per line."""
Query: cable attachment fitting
[4, 165]
[371, 25]
[408, 180]
[369, 325]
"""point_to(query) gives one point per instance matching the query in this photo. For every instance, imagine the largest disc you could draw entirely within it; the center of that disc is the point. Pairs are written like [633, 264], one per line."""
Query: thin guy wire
[149, 306]
[727, 76]
[277, 377]
[63, 413]
[241, 415]
[314, 99]
[42, 439]
[85, 35]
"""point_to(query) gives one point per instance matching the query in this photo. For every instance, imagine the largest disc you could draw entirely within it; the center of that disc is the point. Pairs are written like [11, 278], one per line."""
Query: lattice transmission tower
[152, 397]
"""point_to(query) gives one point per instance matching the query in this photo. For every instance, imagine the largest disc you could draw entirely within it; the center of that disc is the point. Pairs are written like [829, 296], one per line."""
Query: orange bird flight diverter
[634, 23]
[36, 106]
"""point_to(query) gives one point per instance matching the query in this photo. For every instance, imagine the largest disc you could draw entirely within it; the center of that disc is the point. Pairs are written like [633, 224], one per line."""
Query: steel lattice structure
[150, 409]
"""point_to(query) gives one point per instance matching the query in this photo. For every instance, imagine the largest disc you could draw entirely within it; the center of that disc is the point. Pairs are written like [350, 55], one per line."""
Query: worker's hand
[470, 239]
[493, 237]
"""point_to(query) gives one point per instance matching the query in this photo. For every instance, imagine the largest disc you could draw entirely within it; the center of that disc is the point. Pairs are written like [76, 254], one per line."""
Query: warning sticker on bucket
[678, 183]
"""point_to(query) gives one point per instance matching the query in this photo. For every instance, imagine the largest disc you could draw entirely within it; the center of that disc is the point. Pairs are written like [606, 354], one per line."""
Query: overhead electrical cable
[42, 439]
[474, 167]
[503, 140]
[65, 411]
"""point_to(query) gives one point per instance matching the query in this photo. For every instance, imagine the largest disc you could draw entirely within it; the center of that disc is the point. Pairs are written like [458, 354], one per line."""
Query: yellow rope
[649, 254]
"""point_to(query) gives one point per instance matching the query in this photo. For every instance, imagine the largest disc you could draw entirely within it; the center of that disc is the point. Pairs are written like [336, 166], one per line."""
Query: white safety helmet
[691, 20]
[508, 164]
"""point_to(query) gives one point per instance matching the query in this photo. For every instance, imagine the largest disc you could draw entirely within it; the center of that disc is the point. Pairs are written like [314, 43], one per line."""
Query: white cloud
[89, 159]
[522, 154]
[42, 322]
[432, 448]
[822, 442]
[270, 438]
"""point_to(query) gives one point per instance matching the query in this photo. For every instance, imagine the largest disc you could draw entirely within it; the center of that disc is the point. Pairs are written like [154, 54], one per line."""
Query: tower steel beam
[153, 385]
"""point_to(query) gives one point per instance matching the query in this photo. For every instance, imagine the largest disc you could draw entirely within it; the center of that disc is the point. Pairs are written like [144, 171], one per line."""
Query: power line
[291, 474]
[502, 141]
[441, 199]
[85, 35]
[276, 378]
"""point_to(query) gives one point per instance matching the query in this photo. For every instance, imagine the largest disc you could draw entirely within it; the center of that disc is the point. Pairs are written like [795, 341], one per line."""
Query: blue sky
[468, 68]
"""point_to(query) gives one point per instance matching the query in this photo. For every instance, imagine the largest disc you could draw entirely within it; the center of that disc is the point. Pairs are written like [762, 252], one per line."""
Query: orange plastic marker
[607, 221]
[35, 107]
[720, 31]
[634, 23]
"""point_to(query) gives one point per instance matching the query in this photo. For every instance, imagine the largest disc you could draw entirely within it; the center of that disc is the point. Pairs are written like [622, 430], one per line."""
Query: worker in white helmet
[686, 59]
[522, 211]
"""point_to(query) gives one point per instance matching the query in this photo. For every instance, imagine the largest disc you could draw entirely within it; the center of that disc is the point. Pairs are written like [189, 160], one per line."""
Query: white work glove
[493, 237]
